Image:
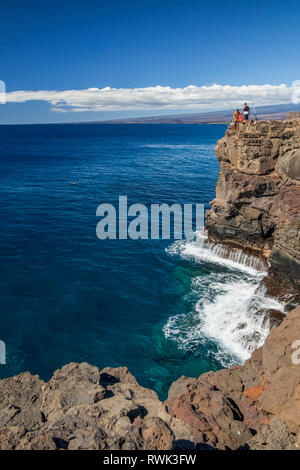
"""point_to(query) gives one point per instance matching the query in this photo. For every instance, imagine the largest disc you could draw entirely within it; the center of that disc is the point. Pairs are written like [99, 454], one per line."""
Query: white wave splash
[227, 310]
[236, 318]
[203, 252]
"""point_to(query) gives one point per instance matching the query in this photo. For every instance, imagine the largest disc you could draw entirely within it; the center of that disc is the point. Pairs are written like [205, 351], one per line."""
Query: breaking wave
[227, 309]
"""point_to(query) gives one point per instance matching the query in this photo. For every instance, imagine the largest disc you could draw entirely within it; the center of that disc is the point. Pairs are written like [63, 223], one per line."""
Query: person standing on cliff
[236, 116]
[246, 112]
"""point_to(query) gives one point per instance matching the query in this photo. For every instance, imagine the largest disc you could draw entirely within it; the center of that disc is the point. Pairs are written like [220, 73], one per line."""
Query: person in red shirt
[236, 116]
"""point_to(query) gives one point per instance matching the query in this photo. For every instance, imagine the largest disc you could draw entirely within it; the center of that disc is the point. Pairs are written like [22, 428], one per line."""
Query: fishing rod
[254, 109]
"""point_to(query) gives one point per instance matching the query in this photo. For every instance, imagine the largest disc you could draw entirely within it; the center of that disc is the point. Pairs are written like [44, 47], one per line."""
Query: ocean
[163, 308]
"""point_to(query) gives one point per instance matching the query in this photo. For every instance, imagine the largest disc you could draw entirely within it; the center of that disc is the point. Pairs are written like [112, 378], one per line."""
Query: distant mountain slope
[262, 113]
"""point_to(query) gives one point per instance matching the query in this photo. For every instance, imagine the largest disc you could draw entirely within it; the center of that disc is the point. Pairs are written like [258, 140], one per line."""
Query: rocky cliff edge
[257, 204]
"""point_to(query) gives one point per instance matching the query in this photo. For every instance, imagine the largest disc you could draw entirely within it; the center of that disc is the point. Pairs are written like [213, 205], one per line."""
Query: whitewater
[228, 308]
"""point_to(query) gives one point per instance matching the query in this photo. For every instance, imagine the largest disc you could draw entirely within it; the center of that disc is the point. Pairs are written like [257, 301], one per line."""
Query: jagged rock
[156, 435]
[110, 376]
[281, 286]
[20, 399]
[225, 408]
[84, 408]
[281, 374]
[273, 317]
[273, 436]
[288, 165]
[286, 214]
[72, 386]
[213, 417]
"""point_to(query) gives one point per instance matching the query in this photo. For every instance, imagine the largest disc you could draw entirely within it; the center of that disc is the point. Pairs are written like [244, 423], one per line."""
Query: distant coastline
[261, 113]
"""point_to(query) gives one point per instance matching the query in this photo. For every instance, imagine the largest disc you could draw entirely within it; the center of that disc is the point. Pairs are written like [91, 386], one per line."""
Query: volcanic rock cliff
[257, 204]
[253, 406]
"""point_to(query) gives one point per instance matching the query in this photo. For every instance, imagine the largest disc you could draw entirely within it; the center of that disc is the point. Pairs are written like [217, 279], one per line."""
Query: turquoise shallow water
[66, 295]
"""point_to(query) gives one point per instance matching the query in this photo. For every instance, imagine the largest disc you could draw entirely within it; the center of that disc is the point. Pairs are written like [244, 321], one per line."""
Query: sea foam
[228, 310]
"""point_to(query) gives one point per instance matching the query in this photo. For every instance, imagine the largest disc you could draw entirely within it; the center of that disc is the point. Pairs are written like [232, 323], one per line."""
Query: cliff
[257, 204]
[253, 406]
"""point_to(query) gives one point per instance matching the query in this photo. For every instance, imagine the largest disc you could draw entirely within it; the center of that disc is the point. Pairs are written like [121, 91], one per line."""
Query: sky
[66, 61]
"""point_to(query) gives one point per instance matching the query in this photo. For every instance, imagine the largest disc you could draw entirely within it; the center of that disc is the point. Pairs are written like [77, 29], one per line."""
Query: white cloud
[158, 97]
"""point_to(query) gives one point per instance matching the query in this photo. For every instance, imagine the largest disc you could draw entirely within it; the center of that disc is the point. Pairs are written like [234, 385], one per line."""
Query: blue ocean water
[68, 296]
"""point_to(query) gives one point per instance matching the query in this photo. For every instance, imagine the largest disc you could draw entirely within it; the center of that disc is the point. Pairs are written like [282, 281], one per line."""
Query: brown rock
[253, 393]
[110, 376]
[212, 416]
[273, 436]
[274, 317]
[280, 285]
[20, 399]
[245, 397]
[157, 435]
[75, 411]
[282, 376]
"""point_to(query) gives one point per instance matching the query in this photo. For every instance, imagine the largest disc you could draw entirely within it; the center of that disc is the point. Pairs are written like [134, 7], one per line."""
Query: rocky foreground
[254, 406]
